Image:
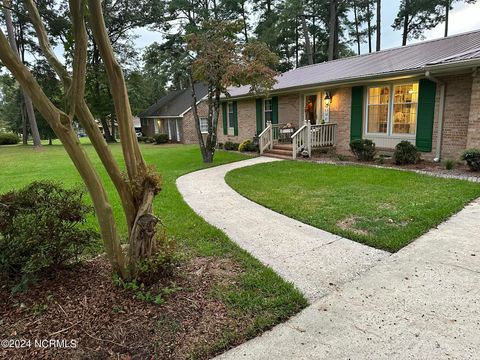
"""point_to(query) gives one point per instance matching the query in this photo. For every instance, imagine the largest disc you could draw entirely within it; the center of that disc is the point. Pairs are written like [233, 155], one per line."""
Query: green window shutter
[224, 117]
[275, 110]
[259, 115]
[356, 118]
[235, 119]
[425, 115]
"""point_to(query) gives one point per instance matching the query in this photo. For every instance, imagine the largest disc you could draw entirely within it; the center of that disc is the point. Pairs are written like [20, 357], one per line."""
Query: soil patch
[109, 322]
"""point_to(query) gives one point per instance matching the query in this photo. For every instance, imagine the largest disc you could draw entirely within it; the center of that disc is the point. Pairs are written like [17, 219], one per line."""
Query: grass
[258, 294]
[383, 208]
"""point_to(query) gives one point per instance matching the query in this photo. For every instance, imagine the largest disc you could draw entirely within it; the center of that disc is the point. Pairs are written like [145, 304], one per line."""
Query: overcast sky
[463, 18]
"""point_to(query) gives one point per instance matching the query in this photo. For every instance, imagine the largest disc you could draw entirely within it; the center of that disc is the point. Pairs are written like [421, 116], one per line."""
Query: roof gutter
[441, 110]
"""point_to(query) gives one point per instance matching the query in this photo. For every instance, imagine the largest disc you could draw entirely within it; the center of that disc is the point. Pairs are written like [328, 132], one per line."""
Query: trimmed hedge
[161, 139]
[472, 158]
[248, 146]
[231, 146]
[363, 149]
[9, 139]
[406, 153]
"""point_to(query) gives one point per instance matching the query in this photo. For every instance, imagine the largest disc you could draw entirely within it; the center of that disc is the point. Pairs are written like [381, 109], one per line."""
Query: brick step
[280, 152]
[273, 155]
[288, 147]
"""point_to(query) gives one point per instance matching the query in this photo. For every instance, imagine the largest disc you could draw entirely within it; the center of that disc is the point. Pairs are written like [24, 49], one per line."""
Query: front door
[311, 108]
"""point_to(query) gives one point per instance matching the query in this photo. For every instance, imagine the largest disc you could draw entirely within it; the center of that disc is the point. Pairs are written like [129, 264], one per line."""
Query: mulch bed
[109, 322]
[460, 169]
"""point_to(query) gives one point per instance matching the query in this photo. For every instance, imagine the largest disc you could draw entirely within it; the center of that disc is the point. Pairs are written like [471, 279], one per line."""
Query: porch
[277, 140]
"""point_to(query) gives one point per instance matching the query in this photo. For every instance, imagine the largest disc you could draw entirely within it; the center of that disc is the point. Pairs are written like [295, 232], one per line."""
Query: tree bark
[245, 25]
[405, 23]
[333, 38]
[308, 46]
[357, 34]
[28, 102]
[447, 14]
[24, 123]
[85, 118]
[369, 27]
[379, 25]
[145, 182]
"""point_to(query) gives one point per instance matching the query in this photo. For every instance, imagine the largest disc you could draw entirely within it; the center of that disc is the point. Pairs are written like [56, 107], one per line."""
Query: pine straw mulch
[109, 322]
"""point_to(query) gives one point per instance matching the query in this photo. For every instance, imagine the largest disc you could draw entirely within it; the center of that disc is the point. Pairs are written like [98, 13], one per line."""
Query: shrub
[405, 153]
[472, 157]
[449, 164]
[231, 146]
[41, 228]
[9, 139]
[363, 149]
[161, 139]
[248, 146]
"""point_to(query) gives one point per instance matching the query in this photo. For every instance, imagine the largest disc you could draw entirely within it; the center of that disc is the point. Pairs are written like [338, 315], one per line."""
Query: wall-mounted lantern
[326, 109]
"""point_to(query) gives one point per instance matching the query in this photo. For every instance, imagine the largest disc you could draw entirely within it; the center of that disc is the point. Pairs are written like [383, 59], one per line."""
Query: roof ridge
[388, 50]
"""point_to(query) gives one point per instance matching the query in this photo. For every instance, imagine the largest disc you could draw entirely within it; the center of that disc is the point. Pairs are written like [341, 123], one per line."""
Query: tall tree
[333, 31]
[416, 16]
[27, 101]
[379, 26]
[448, 7]
[221, 61]
[136, 188]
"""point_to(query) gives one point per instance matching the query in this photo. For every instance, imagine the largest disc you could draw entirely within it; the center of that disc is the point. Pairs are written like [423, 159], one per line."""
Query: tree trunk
[369, 27]
[405, 23]
[207, 157]
[112, 131]
[106, 130]
[447, 14]
[142, 235]
[28, 103]
[50, 141]
[308, 46]
[24, 123]
[245, 25]
[379, 25]
[357, 34]
[332, 30]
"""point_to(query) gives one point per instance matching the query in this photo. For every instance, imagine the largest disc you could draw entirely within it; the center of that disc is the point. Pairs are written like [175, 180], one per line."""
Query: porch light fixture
[328, 98]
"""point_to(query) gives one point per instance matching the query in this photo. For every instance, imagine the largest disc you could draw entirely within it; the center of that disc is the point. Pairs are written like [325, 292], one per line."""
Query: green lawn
[386, 209]
[258, 293]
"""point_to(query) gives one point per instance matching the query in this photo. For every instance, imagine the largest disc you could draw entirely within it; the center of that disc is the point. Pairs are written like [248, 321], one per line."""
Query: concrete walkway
[420, 303]
[315, 261]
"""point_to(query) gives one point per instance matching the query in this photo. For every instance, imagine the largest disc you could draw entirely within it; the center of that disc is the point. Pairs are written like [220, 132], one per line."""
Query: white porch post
[309, 137]
[270, 136]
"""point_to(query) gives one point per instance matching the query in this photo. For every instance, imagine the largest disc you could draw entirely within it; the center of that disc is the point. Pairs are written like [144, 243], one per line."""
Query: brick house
[172, 115]
[427, 93]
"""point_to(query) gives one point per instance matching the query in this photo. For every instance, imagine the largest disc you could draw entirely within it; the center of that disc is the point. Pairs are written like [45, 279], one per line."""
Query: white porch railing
[300, 140]
[265, 139]
[309, 137]
[323, 135]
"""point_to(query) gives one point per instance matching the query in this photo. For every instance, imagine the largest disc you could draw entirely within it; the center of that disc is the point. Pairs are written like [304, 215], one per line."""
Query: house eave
[391, 76]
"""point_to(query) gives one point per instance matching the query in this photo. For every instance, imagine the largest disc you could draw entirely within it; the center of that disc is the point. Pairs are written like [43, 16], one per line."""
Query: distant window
[231, 120]
[405, 101]
[204, 125]
[268, 110]
[378, 101]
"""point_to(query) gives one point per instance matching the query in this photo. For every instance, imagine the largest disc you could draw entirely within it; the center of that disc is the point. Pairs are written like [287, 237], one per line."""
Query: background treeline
[300, 32]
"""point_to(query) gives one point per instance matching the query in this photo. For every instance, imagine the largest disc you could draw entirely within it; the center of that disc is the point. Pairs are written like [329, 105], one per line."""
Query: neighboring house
[427, 93]
[172, 115]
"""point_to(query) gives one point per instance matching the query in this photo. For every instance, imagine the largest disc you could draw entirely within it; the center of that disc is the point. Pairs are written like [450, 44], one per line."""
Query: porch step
[281, 151]
[273, 155]
[288, 147]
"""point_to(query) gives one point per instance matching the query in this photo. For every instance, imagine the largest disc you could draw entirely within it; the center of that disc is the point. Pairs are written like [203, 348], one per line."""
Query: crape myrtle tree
[138, 187]
[221, 60]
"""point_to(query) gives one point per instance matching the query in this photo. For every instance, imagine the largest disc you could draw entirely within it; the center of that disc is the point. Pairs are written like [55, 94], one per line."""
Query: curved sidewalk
[421, 303]
[315, 261]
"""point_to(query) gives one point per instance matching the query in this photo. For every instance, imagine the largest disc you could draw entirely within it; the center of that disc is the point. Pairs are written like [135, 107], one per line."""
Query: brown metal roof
[415, 57]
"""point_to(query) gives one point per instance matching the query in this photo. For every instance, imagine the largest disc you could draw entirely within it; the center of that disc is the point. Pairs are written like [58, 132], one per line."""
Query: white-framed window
[203, 125]
[391, 110]
[267, 110]
[231, 118]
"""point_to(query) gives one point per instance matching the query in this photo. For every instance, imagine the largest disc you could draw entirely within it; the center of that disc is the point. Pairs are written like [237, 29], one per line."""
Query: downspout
[441, 110]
